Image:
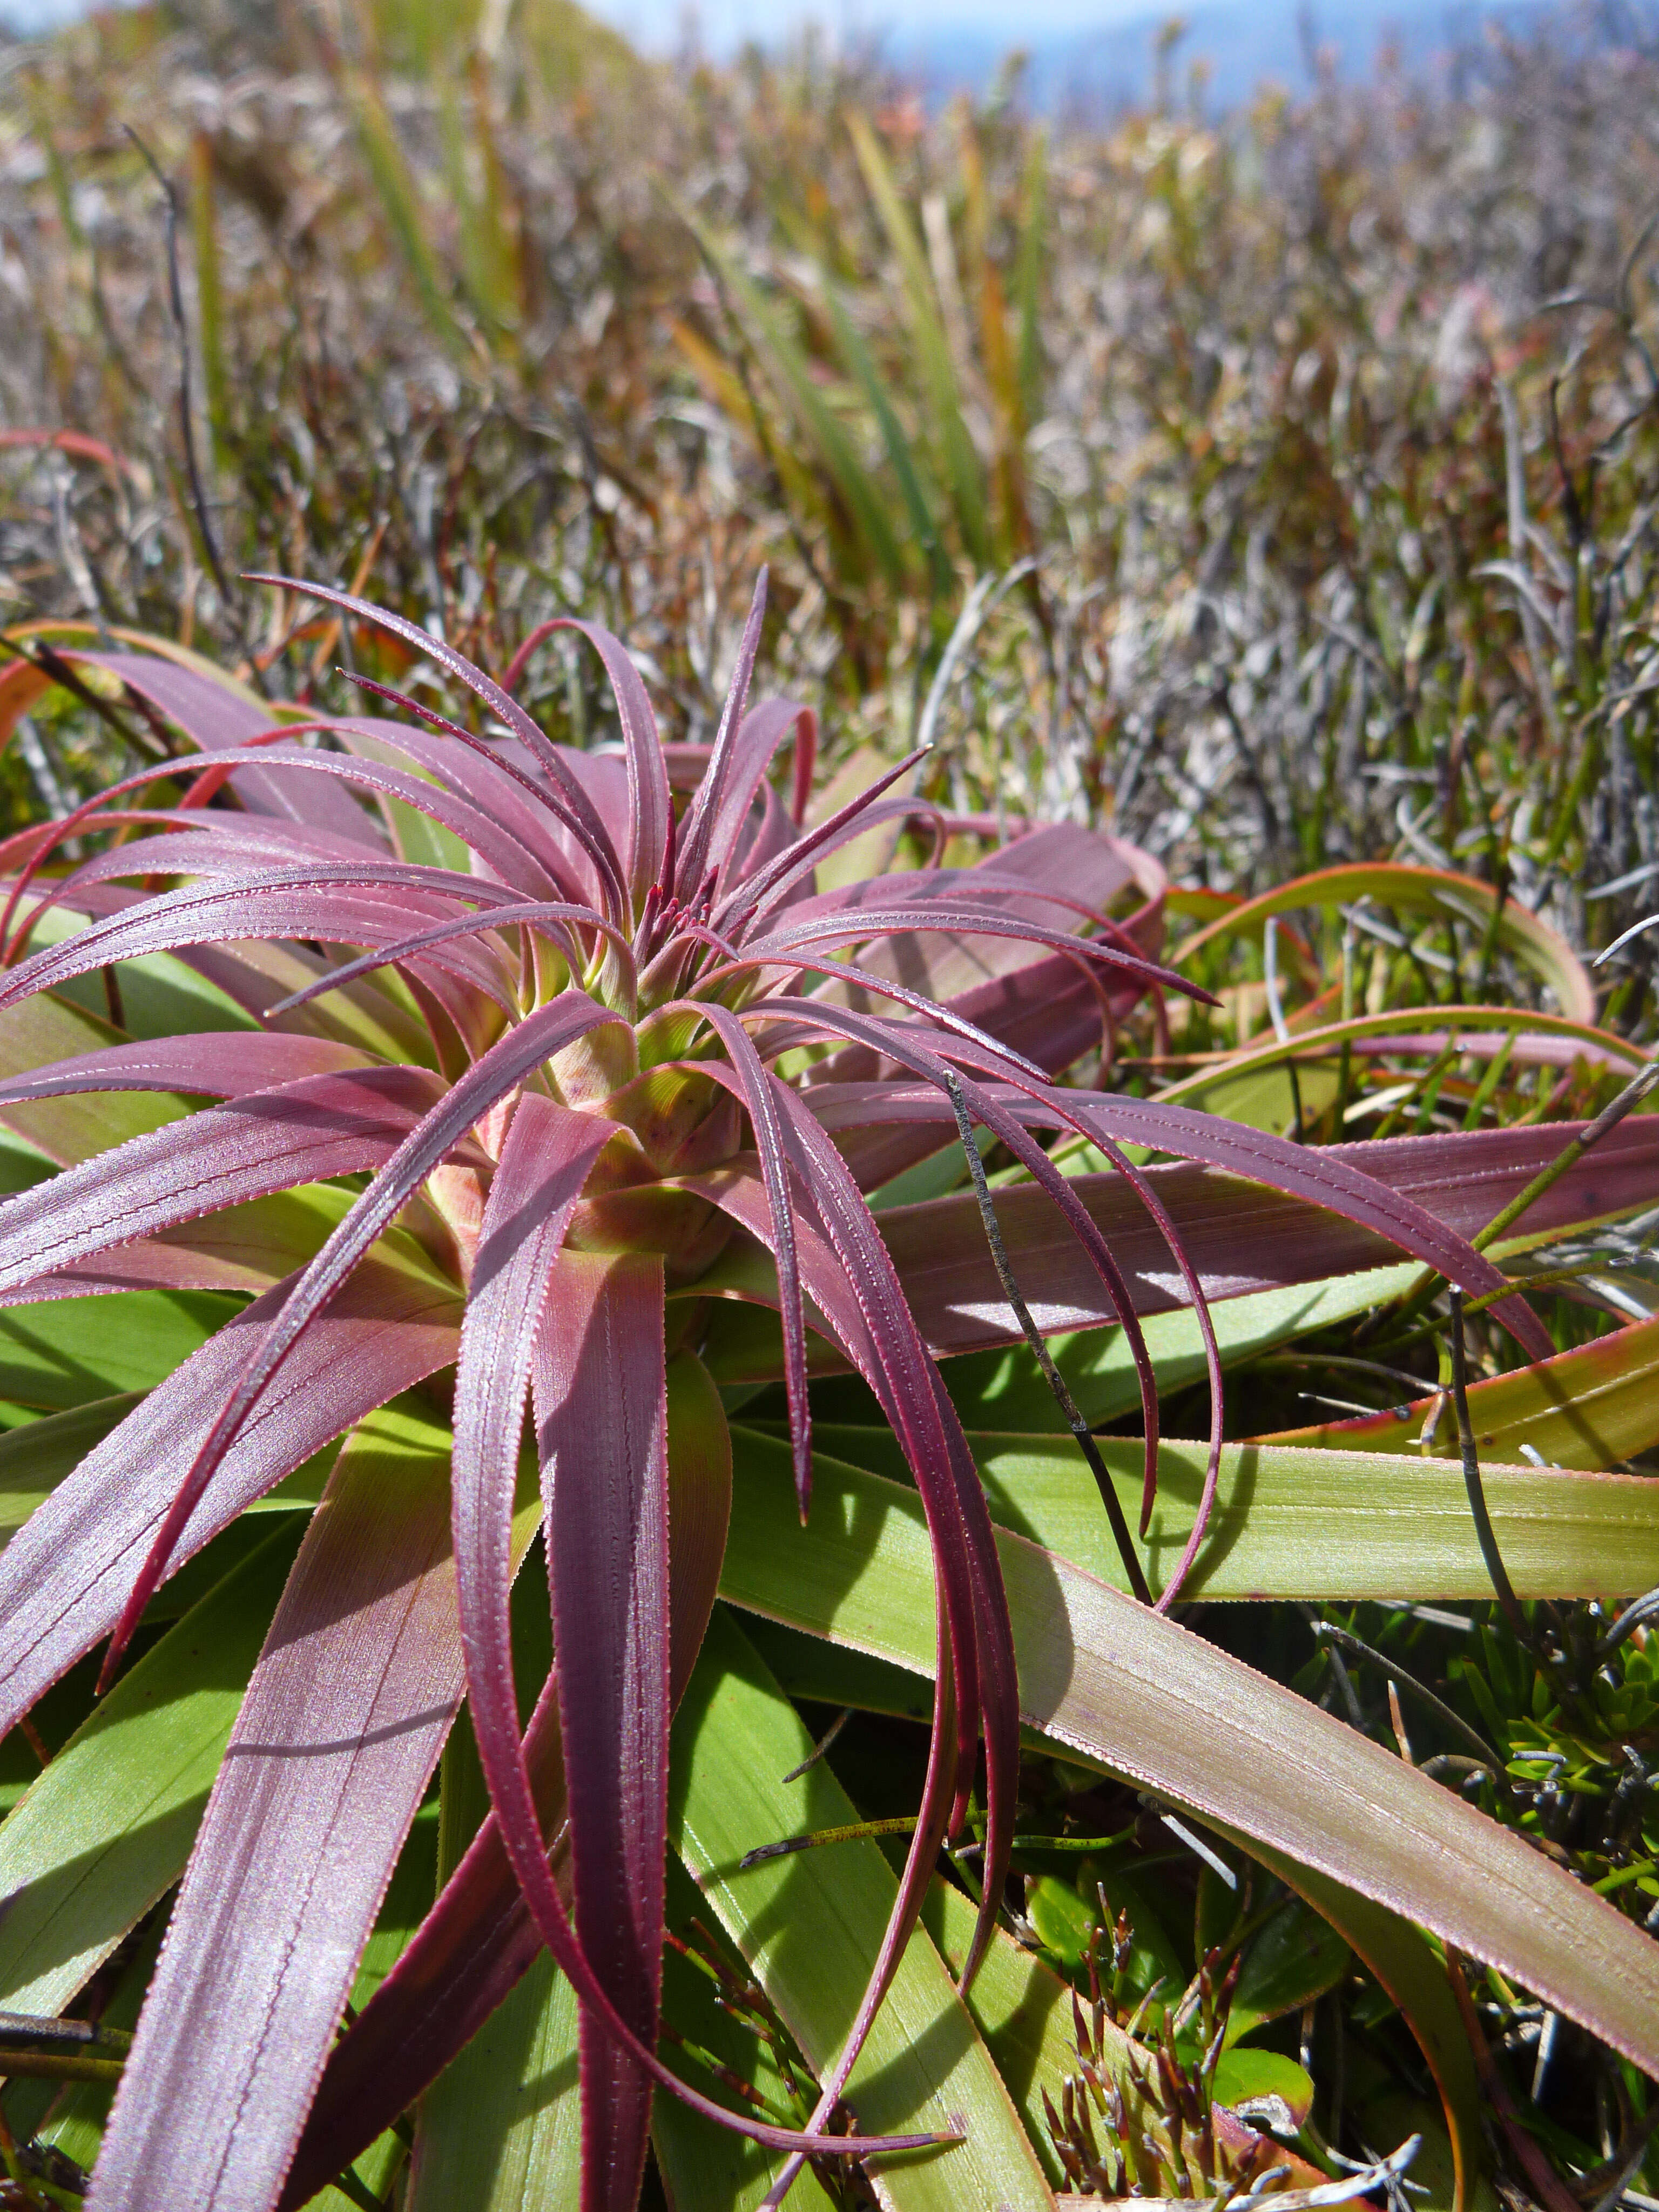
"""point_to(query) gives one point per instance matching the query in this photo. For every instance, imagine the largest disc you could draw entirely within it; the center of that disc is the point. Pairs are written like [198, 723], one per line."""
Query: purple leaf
[342, 1723]
[66, 1575]
[480, 1935]
[752, 1089]
[483, 1597]
[489, 779]
[860, 1294]
[601, 1410]
[650, 812]
[260, 907]
[474, 1946]
[502, 1068]
[771, 885]
[994, 1116]
[865, 923]
[500, 702]
[704, 812]
[1368, 1186]
[214, 717]
[219, 1065]
[548, 914]
[304, 1132]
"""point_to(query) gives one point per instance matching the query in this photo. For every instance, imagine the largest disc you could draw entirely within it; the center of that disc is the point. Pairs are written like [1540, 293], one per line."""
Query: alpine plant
[555, 1037]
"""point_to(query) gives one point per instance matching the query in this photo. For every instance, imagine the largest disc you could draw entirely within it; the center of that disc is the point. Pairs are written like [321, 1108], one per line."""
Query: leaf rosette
[537, 1065]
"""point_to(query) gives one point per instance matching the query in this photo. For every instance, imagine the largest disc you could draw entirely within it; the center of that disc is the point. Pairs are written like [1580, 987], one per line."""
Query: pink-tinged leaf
[990, 1110]
[974, 1669]
[247, 1247]
[489, 778]
[1588, 1408]
[514, 862]
[758, 737]
[1061, 857]
[261, 908]
[649, 809]
[471, 1951]
[480, 1937]
[1369, 1186]
[704, 811]
[549, 916]
[852, 1280]
[484, 1595]
[66, 1575]
[342, 1725]
[221, 1065]
[304, 1132]
[151, 1265]
[601, 1413]
[769, 886]
[1047, 1012]
[198, 841]
[1241, 1237]
[860, 926]
[753, 1091]
[214, 717]
[500, 703]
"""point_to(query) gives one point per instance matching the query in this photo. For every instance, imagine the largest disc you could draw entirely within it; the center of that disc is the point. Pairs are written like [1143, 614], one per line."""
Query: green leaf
[34, 1459]
[1266, 2086]
[1436, 1023]
[1291, 1521]
[109, 1824]
[46, 1028]
[856, 355]
[1124, 1686]
[962, 469]
[66, 1352]
[160, 996]
[1294, 1959]
[1066, 1915]
[400, 203]
[501, 2126]
[1406, 1965]
[810, 1926]
[1023, 2010]
[1028, 278]
[1005, 1389]
[70, 2116]
[794, 378]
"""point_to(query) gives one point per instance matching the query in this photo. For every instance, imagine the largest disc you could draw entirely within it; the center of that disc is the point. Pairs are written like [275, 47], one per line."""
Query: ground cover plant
[1133, 1144]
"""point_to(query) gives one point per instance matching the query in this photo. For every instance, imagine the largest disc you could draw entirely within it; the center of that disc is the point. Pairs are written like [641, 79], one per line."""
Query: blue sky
[1080, 49]
[724, 23]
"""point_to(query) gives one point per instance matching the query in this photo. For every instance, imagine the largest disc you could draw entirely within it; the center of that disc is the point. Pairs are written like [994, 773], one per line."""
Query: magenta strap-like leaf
[602, 1426]
[337, 1739]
